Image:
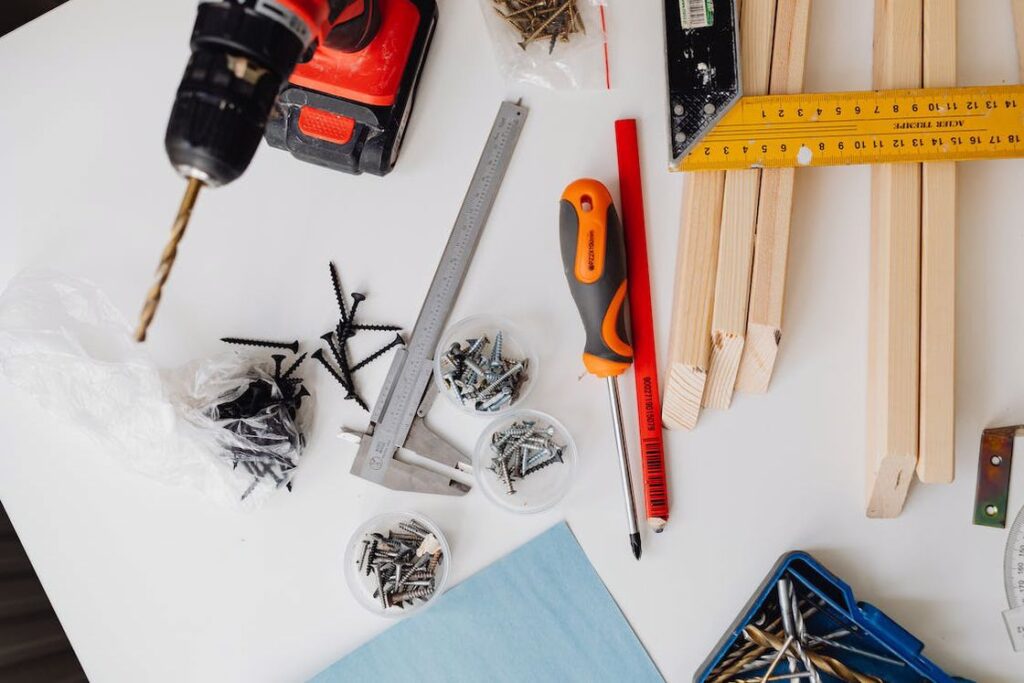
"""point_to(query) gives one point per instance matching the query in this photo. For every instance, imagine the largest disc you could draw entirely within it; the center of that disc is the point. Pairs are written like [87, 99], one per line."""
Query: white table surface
[157, 584]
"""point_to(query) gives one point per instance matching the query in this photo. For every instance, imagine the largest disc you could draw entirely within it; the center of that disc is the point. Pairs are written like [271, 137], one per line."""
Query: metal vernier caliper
[398, 450]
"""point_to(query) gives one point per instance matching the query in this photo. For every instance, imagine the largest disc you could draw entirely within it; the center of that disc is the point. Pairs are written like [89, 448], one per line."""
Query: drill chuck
[241, 55]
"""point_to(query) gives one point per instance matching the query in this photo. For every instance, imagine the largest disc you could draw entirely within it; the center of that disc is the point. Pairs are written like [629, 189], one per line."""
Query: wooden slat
[771, 247]
[935, 463]
[739, 217]
[895, 280]
[690, 340]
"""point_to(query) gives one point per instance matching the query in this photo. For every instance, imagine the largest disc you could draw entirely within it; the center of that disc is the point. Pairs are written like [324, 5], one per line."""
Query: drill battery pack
[348, 111]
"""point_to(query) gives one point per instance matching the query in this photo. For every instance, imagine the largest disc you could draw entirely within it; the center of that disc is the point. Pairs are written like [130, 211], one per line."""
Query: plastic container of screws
[525, 461]
[484, 365]
[403, 553]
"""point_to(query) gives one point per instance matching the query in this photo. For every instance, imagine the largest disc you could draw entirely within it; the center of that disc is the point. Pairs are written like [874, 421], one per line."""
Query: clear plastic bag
[570, 47]
[66, 345]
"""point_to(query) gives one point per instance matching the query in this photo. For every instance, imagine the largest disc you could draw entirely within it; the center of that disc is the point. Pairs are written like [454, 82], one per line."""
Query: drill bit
[163, 271]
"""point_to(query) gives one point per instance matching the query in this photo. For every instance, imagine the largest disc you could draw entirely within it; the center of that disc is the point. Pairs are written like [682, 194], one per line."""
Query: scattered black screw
[337, 341]
[262, 343]
[336, 281]
[378, 353]
[294, 366]
[329, 338]
[359, 401]
[318, 355]
[357, 298]
[278, 359]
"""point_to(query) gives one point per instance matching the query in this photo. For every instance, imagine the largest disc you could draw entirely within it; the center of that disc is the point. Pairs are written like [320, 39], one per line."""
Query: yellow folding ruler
[874, 127]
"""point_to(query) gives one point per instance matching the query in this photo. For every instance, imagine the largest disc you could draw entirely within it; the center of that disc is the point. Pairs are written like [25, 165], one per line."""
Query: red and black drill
[331, 81]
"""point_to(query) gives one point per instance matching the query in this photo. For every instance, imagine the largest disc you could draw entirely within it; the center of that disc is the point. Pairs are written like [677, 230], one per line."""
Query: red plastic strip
[645, 363]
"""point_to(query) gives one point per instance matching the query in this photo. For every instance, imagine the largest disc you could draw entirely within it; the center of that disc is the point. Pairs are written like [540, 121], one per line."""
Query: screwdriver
[594, 258]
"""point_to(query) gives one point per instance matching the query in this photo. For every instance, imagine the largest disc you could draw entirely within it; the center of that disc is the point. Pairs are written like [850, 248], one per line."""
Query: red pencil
[645, 361]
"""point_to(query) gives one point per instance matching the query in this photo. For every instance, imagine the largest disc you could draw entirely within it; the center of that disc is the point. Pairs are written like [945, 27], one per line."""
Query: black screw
[262, 343]
[336, 281]
[357, 298]
[318, 355]
[379, 352]
[329, 337]
[376, 328]
[294, 367]
[343, 363]
[345, 378]
[359, 401]
[278, 359]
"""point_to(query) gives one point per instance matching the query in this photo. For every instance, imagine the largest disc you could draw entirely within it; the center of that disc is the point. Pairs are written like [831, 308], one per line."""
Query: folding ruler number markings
[895, 126]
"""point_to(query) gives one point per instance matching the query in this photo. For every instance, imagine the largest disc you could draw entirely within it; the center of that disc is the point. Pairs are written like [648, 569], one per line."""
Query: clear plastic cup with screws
[397, 563]
[525, 461]
[484, 366]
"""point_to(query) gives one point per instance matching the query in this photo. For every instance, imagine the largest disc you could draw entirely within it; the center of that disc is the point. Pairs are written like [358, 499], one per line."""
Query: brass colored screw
[554, 20]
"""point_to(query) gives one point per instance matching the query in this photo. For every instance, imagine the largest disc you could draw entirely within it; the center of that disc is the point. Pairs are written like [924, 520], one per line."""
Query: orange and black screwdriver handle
[594, 258]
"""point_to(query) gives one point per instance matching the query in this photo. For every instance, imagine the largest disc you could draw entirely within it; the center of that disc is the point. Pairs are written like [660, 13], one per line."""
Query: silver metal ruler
[1013, 568]
[397, 418]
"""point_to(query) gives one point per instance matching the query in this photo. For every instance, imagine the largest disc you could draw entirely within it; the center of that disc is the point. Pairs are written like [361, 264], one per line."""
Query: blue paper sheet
[540, 613]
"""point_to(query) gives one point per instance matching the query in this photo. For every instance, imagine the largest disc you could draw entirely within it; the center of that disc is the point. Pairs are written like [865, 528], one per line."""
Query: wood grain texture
[895, 279]
[935, 461]
[689, 346]
[739, 218]
[771, 246]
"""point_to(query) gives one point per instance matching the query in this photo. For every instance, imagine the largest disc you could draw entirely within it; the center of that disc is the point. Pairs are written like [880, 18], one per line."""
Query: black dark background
[14, 13]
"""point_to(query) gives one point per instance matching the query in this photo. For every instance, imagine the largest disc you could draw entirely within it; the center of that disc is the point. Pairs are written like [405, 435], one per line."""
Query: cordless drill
[331, 81]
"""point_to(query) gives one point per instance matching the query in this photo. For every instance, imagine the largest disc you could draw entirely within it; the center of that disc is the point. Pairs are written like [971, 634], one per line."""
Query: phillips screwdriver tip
[170, 252]
[634, 540]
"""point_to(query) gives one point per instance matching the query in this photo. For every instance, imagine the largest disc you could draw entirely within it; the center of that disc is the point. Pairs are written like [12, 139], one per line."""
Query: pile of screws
[522, 449]
[404, 564]
[480, 376]
[542, 20]
[338, 338]
[263, 414]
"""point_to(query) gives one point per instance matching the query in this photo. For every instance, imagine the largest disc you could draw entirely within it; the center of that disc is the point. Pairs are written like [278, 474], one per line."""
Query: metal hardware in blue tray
[841, 638]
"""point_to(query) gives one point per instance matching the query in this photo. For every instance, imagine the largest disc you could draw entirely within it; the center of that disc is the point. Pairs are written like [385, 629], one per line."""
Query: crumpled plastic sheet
[67, 346]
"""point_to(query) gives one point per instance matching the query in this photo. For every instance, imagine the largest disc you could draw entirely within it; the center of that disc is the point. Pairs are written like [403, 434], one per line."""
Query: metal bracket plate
[994, 461]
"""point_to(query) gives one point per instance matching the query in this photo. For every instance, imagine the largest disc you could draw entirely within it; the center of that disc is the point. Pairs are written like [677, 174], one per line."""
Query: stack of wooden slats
[913, 235]
[727, 317]
[731, 266]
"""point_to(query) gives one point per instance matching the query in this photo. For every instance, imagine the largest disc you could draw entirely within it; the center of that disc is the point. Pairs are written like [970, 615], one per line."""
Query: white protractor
[1013, 568]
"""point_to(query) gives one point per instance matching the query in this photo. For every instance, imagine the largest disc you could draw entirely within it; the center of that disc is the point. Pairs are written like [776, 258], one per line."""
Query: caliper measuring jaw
[420, 461]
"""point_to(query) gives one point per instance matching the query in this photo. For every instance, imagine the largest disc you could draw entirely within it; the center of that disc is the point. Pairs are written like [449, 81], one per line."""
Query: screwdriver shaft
[163, 271]
[627, 479]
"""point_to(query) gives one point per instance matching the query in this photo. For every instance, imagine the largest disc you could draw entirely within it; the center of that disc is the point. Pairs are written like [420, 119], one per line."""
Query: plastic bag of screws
[257, 403]
[65, 344]
[397, 563]
[556, 44]
[484, 366]
[525, 461]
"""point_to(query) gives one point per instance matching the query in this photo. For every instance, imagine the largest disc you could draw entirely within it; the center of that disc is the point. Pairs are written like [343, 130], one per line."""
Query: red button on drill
[325, 125]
